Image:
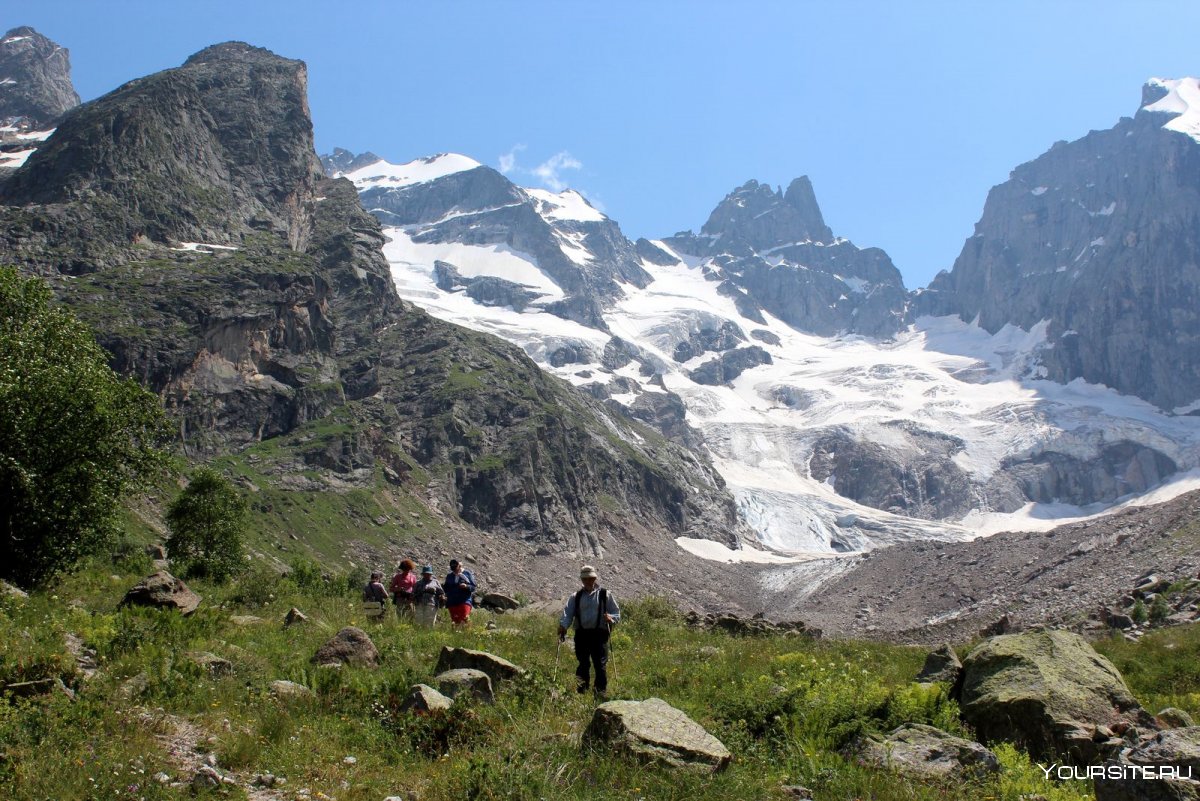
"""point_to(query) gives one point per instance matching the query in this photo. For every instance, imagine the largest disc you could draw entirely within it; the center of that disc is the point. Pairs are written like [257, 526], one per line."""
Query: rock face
[658, 732]
[350, 646]
[35, 80]
[164, 591]
[1046, 691]
[772, 251]
[927, 752]
[1173, 755]
[1099, 237]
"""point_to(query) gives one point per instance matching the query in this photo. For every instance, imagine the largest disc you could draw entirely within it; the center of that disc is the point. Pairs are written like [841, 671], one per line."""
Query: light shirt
[589, 609]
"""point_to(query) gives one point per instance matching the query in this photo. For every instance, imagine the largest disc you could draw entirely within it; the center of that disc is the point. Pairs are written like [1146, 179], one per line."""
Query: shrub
[1160, 610]
[1139, 613]
[74, 437]
[206, 521]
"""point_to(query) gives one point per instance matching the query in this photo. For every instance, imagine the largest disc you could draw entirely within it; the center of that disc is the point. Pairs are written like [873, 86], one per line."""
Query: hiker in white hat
[593, 611]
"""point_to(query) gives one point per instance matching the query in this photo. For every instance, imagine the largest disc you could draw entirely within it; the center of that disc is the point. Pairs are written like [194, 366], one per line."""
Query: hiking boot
[581, 689]
[601, 695]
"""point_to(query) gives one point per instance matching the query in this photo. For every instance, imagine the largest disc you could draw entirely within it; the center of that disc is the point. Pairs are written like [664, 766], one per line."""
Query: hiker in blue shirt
[459, 586]
[593, 611]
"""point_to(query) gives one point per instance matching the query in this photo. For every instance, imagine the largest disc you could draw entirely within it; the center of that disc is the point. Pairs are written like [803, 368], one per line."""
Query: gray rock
[206, 778]
[497, 668]
[927, 752]
[729, 365]
[941, 665]
[163, 591]
[1175, 750]
[655, 731]
[294, 616]
[216, 666]
[350, 646]
[464, 680]
[11, 591]
[495, 600]
[281, 688]
[1172, 718]
[156, 551]
[1045, 691]
[424, 700]
[25, 689]
[245, 620]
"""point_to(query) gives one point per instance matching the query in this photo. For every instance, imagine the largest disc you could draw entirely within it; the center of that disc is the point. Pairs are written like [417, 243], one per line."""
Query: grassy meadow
[784, 706]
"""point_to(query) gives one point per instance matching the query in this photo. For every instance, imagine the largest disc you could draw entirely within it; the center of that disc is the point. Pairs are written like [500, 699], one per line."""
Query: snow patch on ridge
[568, 205]
[1183, 100]
[385, 174]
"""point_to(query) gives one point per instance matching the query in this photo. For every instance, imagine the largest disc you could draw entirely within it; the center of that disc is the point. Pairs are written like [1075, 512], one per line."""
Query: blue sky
[903, 114]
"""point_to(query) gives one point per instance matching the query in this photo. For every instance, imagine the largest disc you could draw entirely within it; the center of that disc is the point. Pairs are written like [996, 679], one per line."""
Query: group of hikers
[418, 598]
[591, 610]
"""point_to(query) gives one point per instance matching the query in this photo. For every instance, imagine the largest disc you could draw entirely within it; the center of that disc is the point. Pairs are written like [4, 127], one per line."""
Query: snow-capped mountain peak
[387, 175]
[1178, 97]
[566, 205]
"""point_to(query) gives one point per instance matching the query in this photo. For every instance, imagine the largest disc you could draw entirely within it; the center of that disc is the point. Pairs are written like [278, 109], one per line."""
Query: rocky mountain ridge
[185, 216]
[1097, 238]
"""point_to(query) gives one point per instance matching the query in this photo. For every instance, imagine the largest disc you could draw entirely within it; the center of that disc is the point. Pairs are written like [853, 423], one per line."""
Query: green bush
[1139, 613]
[207, 521]
[75, 438]
[1160, 610]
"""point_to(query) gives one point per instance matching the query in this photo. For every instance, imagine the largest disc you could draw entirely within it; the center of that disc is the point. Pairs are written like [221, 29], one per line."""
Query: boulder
[9, 589]
[281, 688]
[215, 666]
[658, 732]
[156, 552]
[1174, 758]
[464, 680]
[294, 616]
[941, 665]
[164, 591]
[494, 600]
[926, 752]
[424, 700]
[497, 668]
[1046, 691]
[1172, 718]
[350, 646]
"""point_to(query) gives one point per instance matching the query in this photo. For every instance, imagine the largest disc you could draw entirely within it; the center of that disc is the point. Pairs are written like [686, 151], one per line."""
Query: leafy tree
[74, 437]
[207, 520]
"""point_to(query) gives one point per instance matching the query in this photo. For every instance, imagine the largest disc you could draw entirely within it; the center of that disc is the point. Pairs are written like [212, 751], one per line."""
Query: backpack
[601, 623]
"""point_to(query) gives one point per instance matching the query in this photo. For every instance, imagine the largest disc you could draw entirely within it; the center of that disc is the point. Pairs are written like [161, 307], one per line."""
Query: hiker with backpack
[402, 588]
[375, 598]
[428, 597]
[593, 612]
[460, 589]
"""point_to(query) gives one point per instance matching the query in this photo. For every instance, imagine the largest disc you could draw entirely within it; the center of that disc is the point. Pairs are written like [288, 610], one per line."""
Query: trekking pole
[557, 658]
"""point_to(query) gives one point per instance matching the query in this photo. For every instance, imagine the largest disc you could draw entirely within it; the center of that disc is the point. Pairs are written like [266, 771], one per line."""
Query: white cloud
[508, 161]
[550, 170]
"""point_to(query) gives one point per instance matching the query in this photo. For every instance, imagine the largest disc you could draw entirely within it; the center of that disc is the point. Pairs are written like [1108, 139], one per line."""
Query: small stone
[796, 791]
[161, 778]
[206, 778]
[349, 760]
[280, 688]
[294, 616]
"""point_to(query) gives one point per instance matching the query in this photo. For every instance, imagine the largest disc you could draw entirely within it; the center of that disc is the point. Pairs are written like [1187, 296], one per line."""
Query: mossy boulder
[926, 752]
[657, 732]
[1046, 691]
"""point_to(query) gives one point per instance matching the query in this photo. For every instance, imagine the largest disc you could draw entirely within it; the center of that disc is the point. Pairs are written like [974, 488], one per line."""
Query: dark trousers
[591, 647]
